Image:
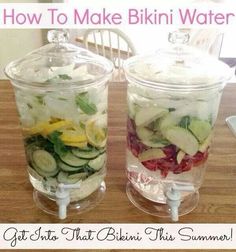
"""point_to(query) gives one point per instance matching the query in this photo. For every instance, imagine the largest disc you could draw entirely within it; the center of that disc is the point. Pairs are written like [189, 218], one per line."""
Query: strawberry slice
[199, 158]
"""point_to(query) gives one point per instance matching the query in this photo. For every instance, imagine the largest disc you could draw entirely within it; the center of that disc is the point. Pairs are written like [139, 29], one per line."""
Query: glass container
[61, 97]
[173, 100]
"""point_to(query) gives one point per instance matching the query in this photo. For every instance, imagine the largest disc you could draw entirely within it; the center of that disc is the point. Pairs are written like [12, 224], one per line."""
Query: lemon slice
[55, 126]
[96, 135]
[37, 129]
[76, 144]
[73, 136]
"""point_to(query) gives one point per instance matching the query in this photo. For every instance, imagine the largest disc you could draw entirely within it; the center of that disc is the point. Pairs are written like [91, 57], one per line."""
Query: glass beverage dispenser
[173, 101]
[61, 97]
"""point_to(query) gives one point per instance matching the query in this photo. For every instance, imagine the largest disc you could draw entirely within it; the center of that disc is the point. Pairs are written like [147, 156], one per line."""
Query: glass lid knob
[178, 37]
[58, 36]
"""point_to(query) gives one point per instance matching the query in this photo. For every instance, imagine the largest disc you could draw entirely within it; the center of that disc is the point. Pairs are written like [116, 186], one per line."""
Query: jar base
[187, 205]
[48, 205]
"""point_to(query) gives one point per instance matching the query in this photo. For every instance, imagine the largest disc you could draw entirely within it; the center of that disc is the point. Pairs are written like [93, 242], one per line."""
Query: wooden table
[217, 196]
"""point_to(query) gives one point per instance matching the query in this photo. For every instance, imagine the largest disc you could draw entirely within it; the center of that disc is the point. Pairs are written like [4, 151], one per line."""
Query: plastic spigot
[173, 195]
[63, 198]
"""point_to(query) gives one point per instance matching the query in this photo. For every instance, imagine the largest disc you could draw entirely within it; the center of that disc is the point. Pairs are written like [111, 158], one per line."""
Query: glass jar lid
[59, 64]
[179, 67]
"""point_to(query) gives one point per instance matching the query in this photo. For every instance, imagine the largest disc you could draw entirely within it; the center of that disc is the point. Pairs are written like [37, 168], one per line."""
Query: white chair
[112, 44]
[208, 40]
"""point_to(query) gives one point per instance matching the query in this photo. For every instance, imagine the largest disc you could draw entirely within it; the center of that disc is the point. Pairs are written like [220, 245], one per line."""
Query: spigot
[173, 195]
[63, 198]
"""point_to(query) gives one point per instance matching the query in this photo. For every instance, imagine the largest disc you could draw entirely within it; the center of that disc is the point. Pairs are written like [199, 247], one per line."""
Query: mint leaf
[82, 125]
[60, 76]
[160, 140]
[58, 145]
[85, 105]
[64, 77]
[40, 99]
[62, 99]
[185, 121]
[29, 106]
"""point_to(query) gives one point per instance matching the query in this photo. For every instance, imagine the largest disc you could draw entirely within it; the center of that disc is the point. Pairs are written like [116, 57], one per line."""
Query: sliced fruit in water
[156, 125]
[183, 139]
[55, 126]
[180, 156]
[156, 142]
[144, 133]
[102, 150]
[44, 161]
[200, 158]
[64, 177]
[72, 160]
[98, 162]
[72, 136]
[96, 135]
[93, 153]
[65, 167]
[203, 147]
[37, 129]
[200, 129]
[88, 186]
[146, 115]
[151, 154]
[44, 173]
[167, 121]
[78, 176]
[76, 144]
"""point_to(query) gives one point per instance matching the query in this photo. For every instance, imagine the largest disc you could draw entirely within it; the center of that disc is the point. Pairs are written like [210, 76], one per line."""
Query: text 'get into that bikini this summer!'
[117, 236]
[54, 16]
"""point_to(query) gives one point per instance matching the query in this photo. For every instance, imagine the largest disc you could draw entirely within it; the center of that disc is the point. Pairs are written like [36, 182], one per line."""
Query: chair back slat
[95, 42]
[112, 44]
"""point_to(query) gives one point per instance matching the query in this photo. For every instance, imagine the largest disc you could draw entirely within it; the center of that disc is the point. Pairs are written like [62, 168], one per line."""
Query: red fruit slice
[199, 158]
[150, 165]
[131, 126]
[185, 165]
[170, 151]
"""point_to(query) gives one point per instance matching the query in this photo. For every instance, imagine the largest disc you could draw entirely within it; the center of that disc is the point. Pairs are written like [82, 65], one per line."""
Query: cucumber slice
[65, 167]
[146, 115]
[156, 142]
[183, 139]
[156, 124]
[86, 148]
[65, 178]
[44, 161]
[85, 154]
[203, 147]
[79, 176]
[200, 129]
[168, 120]
[88, 186]
[72, 160]
[44, 173]
[98, 162]
[144, 133]
[102, 150]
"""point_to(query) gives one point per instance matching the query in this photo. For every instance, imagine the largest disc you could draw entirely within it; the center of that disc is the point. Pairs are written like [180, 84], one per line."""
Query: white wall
[16, 43]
